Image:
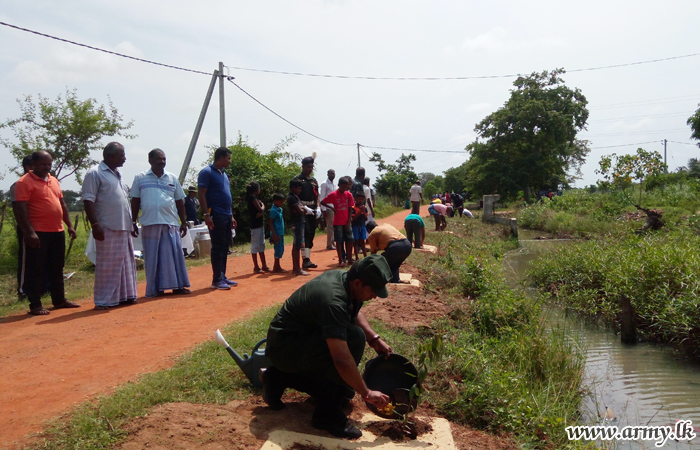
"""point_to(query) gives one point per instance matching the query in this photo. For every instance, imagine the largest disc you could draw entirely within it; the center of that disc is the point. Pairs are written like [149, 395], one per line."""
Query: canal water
[643, 384]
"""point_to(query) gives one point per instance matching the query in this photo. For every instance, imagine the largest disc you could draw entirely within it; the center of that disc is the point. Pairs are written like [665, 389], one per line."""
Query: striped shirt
[158, 197]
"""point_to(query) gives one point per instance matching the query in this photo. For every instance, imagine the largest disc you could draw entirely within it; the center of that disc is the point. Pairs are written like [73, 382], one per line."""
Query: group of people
[316, 340]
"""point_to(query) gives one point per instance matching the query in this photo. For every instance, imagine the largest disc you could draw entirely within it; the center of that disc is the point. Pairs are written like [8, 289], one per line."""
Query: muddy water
[642, 384]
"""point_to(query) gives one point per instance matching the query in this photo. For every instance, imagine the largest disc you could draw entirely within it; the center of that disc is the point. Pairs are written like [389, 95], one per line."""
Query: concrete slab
[406, 280]
[427, 248]
[439, 438]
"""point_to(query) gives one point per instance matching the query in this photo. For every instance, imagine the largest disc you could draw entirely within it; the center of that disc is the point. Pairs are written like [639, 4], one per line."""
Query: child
[296, 214]
[341, 202]
[277, 231]
[359, 218]
[256, 208]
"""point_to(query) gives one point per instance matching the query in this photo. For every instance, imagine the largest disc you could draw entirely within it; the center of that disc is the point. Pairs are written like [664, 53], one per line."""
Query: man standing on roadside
[309, 198]
[416, 197]
[107, 208]
[192, 205]
[215, 200]
[326, 188]
[317, 339]
[163, 223]
[40, 212]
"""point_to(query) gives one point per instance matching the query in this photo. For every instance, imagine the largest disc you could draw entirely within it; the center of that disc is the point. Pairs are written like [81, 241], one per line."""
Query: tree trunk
[527, 194]
[628, 329]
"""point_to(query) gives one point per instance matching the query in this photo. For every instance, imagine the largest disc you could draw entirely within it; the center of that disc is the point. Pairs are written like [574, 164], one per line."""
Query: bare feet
[279, 270]
[39, 312]
[301, 272]
[265, 269]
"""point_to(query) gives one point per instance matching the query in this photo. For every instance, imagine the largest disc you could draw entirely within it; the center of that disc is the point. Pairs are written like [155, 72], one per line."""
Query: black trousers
[413, 231]
[395, 254]
[310, 230]
[21, 263]
[323, 382]
[221, 237]
[45, 262]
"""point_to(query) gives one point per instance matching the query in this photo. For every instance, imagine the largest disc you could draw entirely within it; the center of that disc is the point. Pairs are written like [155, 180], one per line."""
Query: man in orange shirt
[40, 210]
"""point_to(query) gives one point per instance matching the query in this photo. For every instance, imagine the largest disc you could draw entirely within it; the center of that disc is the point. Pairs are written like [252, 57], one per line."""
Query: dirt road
[52, 363]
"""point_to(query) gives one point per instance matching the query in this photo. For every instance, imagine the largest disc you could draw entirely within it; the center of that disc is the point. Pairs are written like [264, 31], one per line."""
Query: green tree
[694, 122]
[531, 141]
[69, 128]
[425, 177]
[434, 186]
[455, 178]
[694, 168]
[397, 179]
[272, 170]
[629, 173]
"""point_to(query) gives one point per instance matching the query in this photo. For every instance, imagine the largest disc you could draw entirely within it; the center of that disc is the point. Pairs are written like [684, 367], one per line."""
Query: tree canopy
[530, 142]
[68, 128]
[694, 122]
[272, 170]
[629, 172]
[397, 178]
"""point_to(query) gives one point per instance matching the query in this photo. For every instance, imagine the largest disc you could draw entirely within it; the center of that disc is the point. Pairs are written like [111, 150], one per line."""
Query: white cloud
[478, 108]
[498, 40]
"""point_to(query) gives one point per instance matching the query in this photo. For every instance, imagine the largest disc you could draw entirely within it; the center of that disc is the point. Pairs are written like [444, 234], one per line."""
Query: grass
[658, 273]
[501, 370]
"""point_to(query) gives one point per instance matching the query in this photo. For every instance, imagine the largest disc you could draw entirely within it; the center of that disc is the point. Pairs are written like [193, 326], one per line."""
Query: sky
[638, 104]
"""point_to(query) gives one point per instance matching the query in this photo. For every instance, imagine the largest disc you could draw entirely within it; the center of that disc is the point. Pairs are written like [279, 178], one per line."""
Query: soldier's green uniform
[308, 197]
[319, 310]
[296, 341]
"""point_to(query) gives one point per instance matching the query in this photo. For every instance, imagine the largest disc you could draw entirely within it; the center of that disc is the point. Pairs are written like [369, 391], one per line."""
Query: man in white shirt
[326, 188]
[416, 198]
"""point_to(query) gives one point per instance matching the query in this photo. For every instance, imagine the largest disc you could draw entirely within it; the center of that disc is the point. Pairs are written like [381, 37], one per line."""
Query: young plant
[629, 172]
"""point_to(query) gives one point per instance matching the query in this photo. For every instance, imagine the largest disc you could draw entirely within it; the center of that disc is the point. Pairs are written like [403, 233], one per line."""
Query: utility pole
[217, 75]
[198, 128]
[222, 108]
[665, 141]
[358, 155]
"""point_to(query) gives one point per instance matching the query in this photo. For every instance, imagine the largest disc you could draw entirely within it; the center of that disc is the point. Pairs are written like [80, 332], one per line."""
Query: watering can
[250, 365]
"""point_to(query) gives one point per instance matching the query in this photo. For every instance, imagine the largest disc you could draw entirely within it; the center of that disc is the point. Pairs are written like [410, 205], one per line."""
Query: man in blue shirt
[215, 201]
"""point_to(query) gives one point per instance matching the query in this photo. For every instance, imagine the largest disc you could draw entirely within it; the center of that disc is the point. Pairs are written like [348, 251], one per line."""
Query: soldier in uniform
[309, 198]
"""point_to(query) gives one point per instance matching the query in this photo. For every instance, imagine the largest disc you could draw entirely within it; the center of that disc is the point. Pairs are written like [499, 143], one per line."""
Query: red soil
[53, 363]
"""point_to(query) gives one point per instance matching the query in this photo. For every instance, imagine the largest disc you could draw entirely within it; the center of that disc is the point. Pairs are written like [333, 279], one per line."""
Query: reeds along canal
[642, 384]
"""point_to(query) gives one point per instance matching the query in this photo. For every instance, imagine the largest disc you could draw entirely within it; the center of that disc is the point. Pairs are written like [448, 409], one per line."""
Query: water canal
[642, 384]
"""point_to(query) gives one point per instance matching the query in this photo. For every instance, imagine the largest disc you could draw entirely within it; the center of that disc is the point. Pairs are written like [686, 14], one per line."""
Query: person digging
[316, 341]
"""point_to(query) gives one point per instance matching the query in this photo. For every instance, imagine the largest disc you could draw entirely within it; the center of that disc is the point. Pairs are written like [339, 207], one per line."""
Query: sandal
[39, 312]
[66, 304]
[265, 269]
[181, 291]
[101, 308]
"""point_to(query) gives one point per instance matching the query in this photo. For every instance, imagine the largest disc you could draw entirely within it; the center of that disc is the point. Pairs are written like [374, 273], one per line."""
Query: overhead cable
[105, 51]
[612, 66]
[290, 123]
[480, 77]
[414, 149]
[625, 145]
[684, 143]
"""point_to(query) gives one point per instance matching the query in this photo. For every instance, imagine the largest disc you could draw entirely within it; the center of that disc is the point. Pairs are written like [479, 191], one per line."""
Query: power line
[415, 149]
[626, 145]
[104, 51]
[230, 80]
[684, 143]
[612, 66]
[481, 77]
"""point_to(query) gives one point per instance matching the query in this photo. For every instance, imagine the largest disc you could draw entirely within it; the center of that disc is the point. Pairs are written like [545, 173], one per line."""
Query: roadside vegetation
[655, 270]
[501, 370]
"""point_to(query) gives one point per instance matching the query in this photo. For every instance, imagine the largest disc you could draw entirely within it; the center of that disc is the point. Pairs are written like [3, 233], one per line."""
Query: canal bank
[642, 384]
